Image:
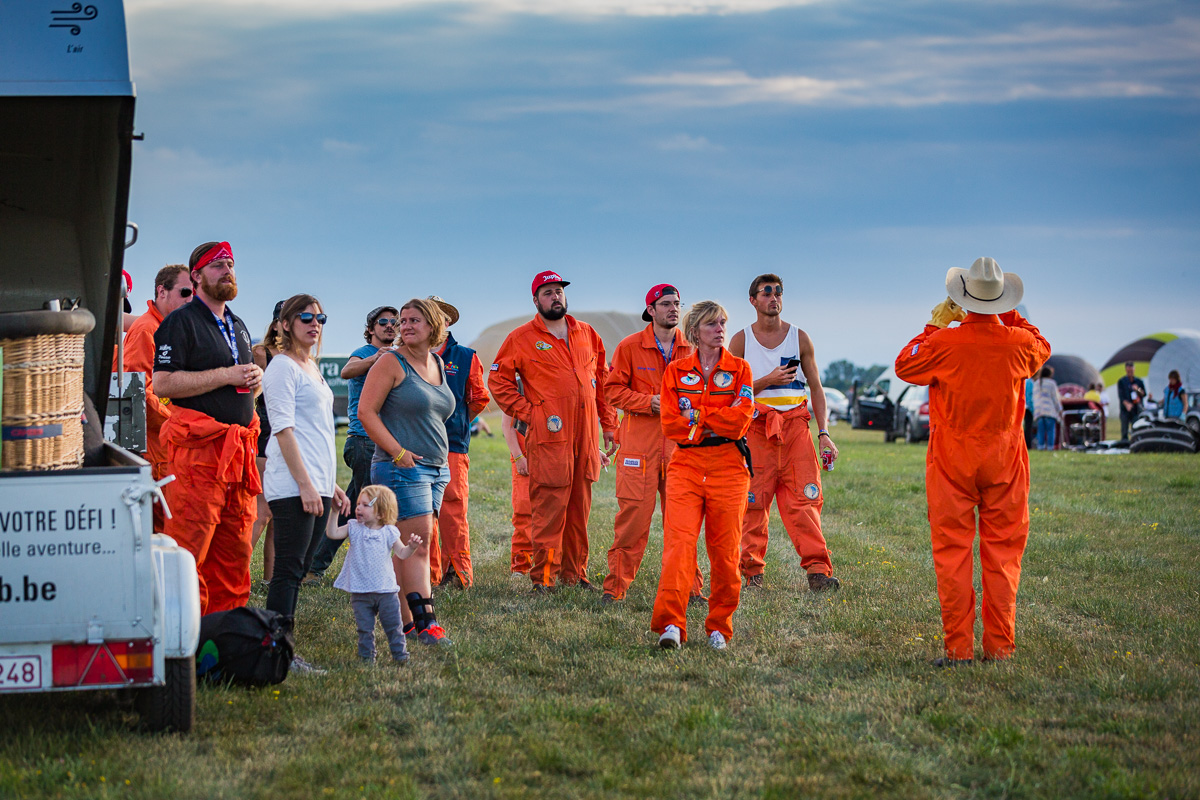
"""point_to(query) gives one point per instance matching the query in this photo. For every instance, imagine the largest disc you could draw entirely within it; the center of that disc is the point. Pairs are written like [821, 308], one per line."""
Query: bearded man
[204, 366]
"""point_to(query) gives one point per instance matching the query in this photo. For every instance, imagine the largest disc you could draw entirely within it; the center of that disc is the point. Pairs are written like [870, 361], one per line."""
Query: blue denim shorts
[419, 489]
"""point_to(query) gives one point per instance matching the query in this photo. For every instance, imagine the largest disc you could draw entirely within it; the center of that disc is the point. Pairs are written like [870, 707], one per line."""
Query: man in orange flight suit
[977, 456]
[450, 548]
[707, 403]
[562, 365]
[787, 394]
[633, 385]
[172, 288]
[203, 364]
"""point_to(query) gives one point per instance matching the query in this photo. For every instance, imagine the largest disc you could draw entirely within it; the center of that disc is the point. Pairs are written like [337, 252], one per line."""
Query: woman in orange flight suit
[707, 404]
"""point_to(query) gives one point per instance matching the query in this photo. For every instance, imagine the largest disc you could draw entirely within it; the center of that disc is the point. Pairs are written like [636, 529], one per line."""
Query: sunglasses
[386, 321]
[308, 316]
[771, 290]
[185, 292]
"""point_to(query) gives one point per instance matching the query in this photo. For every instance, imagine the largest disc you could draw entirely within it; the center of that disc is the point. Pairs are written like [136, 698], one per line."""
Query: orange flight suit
[561, 406]
[786, 470]
[213, 501]
[451, 544]
[635, 378]
[522, 519]
[704, 485]
[139, 357]
[977, 458]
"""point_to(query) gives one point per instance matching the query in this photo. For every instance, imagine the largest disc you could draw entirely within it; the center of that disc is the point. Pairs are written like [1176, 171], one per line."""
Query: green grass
[830, 697]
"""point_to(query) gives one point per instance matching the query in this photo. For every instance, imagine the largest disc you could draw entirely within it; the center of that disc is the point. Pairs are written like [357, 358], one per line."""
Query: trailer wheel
[171, 707]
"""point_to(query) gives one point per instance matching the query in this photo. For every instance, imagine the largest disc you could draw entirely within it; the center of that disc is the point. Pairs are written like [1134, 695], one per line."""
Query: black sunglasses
[385, 321]
[308, 316]
[771, 290]
[185, 292]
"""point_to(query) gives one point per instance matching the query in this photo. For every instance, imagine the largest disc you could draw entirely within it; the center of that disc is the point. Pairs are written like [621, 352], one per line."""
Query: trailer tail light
[104, 664]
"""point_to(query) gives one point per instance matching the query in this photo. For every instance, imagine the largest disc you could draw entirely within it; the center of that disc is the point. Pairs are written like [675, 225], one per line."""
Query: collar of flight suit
[650, 341]
[153, 309]
[572, 326]
[980, 319]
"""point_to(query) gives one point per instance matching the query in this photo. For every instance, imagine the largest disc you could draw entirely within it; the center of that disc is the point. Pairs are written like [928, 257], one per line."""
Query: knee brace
[422, 610]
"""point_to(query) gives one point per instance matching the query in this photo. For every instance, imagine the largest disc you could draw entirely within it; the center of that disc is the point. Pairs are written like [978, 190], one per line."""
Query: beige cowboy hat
[450, 311]
[983, 288]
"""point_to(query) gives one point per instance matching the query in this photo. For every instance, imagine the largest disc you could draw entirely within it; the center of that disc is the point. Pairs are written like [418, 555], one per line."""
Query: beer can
[827, 459]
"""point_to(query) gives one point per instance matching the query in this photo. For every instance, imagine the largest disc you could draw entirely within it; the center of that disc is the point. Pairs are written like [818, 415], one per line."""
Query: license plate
[20, 672]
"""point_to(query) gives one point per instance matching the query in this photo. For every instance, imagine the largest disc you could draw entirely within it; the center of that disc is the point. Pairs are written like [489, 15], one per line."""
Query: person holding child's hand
[367, 571]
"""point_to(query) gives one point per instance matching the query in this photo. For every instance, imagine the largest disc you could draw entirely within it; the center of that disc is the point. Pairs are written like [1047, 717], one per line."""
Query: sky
[369, 151]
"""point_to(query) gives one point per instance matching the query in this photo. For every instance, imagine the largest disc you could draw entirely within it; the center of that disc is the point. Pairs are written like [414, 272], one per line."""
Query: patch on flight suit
[540, 345]
[691, 379]
[554, 424]
[451, 368]
[495, 368]
[914, 350]
[747, 392]
[632, 462]
[751, 497]
[812, 491]
[722, 379]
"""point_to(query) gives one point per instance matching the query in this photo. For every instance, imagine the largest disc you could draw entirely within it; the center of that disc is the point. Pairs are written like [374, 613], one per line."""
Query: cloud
[686, 143]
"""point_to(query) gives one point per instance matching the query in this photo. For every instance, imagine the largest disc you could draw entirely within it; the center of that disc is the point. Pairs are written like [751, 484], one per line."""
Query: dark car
[894, 407]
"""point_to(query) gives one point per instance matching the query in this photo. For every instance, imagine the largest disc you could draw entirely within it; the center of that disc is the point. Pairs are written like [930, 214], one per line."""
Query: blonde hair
[700, 313]
[383, 500]
[434, 315]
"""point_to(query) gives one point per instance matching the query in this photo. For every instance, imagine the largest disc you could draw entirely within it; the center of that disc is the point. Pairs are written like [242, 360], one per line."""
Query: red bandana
[217, 252]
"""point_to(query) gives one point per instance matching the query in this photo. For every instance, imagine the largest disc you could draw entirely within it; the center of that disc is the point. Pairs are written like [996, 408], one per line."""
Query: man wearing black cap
[380, 334]
[562, 367]
[633, 386]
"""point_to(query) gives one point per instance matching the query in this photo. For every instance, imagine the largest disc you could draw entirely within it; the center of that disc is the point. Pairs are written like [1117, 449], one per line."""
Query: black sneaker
[451, 580]
[410, 630]
[823, 583]
[945, 662]
[754, 581]
[698, 600]
[584, 583]
[608, 599]
[434, 635]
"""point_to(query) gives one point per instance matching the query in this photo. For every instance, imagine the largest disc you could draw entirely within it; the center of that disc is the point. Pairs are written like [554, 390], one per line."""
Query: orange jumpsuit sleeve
[920, 359]
[476, 395]
[732, 421]
[1039, 350]
[503, 382]
[607, 414]
[674, 425]
[139, 357]
[618, 388]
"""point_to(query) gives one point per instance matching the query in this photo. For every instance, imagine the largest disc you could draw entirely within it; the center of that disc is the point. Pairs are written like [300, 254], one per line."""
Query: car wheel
[1193, 424]
[909, 433]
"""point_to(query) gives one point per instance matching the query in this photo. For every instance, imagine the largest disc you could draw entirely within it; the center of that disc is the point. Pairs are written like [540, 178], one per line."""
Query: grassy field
[832, 697]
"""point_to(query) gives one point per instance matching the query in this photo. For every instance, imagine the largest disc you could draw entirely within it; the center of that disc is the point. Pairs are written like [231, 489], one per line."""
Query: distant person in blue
[1175, 399]
[1130, 393]
[380, 335]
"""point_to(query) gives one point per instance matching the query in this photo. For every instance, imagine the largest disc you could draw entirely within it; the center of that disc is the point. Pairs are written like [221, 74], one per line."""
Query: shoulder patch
[747, 391]
[495, 368]
[913, 352]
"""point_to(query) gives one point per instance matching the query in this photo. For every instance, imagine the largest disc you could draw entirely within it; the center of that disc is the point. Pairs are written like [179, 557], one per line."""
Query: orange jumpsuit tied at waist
[635, 378]
[705, 485]
[786, 470]
[139, 357]
[561, 405]
[977, 459]
[212, 501]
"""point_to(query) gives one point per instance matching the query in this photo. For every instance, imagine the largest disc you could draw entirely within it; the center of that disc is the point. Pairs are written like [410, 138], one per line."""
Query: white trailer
[90, 596]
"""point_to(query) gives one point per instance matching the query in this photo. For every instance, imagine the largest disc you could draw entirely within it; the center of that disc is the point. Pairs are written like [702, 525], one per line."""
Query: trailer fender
[177, 597]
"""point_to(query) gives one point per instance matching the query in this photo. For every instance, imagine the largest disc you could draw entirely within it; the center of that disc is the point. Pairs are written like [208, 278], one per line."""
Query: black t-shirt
[190, 340]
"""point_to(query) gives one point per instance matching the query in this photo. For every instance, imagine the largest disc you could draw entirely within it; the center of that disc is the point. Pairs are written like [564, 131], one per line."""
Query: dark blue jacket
[458, 369]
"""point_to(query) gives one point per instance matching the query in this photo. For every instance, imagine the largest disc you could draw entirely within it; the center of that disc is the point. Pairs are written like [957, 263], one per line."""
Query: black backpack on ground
[247, 646]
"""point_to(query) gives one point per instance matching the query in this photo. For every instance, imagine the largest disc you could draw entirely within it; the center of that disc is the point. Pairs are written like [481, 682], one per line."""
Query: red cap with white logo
[549, 276]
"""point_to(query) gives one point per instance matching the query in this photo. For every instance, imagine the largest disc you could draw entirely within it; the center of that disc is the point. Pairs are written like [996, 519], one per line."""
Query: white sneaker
[302, 667]
[716, 641]
[670, 638]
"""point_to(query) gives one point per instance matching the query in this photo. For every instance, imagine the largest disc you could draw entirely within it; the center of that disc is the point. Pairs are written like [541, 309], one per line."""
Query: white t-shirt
[368, 565]
[298, 401]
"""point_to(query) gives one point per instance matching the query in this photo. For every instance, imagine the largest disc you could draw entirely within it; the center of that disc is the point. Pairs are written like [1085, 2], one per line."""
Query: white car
[837, 403]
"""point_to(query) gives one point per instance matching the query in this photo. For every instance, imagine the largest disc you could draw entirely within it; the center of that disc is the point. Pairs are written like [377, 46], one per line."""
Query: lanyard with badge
[666, 354]
[230, 335]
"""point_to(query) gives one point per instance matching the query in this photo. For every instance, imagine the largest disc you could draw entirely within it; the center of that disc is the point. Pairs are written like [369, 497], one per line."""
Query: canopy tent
[1154, 356]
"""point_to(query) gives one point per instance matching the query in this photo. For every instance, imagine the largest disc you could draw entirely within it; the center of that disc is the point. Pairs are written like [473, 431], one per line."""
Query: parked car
[837, 404]
[912, 417]
[894, 407]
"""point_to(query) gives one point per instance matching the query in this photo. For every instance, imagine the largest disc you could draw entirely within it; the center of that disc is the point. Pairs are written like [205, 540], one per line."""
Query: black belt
[742, 446]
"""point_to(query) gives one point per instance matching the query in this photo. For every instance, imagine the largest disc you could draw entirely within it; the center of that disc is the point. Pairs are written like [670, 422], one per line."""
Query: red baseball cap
[128, 290]
[653, 295]
[549, 276]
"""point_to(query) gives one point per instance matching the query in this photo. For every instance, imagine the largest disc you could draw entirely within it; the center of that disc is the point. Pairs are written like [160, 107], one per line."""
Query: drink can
[827, 459]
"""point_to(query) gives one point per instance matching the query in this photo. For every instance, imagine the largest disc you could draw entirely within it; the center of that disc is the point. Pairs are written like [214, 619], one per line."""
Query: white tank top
[763, 361]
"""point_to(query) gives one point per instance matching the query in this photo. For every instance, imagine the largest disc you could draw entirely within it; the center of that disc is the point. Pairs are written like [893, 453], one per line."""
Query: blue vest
[458, 368]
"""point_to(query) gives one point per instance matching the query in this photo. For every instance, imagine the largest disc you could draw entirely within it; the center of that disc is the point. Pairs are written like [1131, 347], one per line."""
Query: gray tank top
[415, 413]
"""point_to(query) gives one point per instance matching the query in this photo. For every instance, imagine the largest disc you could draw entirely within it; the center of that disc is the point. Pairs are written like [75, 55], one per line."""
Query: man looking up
[171, 290]
[380, 333]
[634, 385]
[562, 366]
[784, 462]
[450, 558]
[203, 364]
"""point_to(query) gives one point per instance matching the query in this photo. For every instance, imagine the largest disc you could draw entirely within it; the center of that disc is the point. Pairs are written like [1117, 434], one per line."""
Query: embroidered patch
[554, 424]
[722, 379]
[751, 498]
[812, 491]
[495, 368]
[691, 379]
[540, 345]
[246, 337]
[451, 368]
[747, 392]
[632, 462]
[913, 352]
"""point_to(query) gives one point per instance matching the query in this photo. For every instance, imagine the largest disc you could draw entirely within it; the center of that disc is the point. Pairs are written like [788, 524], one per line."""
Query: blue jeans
[419, 488]
[357, 454]
[1047, 432]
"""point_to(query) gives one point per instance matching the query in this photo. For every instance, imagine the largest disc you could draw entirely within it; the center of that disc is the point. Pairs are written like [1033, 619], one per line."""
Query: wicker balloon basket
[43, 400]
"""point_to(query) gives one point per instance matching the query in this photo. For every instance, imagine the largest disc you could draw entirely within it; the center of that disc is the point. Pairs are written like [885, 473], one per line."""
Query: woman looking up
[403, 407]
[300, 478]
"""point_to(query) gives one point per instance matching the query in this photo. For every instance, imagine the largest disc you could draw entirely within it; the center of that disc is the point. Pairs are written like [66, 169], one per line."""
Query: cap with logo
[549, 276]
[653, 295]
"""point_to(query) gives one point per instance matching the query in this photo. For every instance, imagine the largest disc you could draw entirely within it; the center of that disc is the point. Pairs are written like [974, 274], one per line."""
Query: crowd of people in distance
[713, 429]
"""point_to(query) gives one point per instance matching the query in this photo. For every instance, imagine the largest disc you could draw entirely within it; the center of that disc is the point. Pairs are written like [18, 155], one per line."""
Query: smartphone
[792, 363]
